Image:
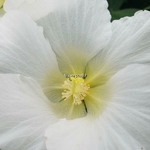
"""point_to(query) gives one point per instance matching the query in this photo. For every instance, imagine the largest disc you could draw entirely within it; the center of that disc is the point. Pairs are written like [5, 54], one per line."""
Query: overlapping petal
[25, 114]
[35, 8]
[77, 31]
[129, 106]
[24, 50]
[130, 43]
[124, 124]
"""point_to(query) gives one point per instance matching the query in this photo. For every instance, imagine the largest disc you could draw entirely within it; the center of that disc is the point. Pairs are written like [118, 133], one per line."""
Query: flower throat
[1, 3]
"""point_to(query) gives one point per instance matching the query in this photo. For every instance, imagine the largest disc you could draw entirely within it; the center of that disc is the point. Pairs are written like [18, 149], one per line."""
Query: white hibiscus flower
[95, 76]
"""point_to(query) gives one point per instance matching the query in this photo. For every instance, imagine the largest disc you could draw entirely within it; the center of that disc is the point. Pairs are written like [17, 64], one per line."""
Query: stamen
[76, 89]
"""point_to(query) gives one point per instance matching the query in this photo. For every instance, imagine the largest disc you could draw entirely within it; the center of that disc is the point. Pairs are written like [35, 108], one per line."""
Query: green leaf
[115, 4]
[148, 8]
[122, 13]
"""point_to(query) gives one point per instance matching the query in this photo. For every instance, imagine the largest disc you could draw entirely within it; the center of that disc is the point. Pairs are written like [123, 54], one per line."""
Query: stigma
[75, 89]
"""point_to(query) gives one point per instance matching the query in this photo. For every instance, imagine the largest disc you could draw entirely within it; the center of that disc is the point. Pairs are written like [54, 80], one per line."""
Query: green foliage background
[122, 8]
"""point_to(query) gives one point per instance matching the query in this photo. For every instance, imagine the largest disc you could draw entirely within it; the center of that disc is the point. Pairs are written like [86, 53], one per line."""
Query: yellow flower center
[76, 89]
[1, 3]
[75, 97]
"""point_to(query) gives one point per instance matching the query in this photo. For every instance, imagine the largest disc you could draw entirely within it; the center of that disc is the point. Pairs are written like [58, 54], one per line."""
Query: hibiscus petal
[76, 134]
[35, 8]
[123, 125]
[25, 113]
[130, 43]
[129, 106]
[24, 50]
[66, 109]
[2, 12]
[77, 31]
